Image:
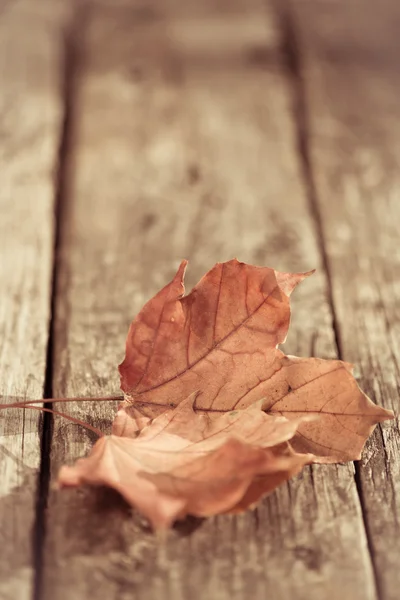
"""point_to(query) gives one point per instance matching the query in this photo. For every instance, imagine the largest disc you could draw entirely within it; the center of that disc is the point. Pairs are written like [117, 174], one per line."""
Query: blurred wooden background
[134, 134]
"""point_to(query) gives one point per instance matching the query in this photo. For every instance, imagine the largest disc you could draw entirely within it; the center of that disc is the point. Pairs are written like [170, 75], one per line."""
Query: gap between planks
[70, 38]
[291, 48]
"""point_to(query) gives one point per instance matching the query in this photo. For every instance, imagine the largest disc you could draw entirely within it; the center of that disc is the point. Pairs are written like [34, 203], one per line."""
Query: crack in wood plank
[347, 93]
[69, 36]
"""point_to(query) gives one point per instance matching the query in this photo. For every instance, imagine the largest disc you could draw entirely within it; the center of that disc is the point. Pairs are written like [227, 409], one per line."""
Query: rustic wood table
[134, 134]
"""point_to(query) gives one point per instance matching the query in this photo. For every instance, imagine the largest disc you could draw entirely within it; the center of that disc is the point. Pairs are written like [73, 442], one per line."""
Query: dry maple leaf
[222, 340]
[260, 415]
[186, 463]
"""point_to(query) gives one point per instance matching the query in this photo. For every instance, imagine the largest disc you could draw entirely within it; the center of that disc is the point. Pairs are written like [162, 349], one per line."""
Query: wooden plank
[352, 87]
[31, 115]
[184, 149]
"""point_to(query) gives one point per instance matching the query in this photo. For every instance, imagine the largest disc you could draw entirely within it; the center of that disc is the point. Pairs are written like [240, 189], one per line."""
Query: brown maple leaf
[222, 340]
[186, 463]
[260, 415]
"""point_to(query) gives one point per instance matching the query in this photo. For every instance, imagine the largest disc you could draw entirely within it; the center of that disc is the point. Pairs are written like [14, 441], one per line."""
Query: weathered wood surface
[30, 121]
[183, 145]
[352, 86]
[191, 133]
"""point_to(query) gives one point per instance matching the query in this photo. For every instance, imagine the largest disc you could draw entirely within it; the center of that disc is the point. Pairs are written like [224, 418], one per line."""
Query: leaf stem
[69, 417]
[25, 403]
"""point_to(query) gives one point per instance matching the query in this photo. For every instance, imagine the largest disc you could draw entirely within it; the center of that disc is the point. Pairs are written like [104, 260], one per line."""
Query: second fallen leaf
[185, 463]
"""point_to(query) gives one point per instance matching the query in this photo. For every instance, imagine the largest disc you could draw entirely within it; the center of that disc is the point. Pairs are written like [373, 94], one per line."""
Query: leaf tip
[189, 402]
[180, 274]
[289, 281]
[183, 264]
[387, 414]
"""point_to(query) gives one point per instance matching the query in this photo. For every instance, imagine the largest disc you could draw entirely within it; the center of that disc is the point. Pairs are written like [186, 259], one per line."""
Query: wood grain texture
[352, 87]
[184, 146]
[30, 119]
